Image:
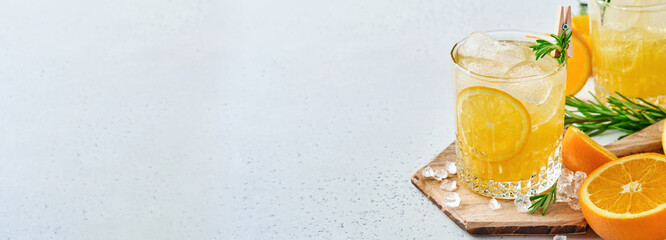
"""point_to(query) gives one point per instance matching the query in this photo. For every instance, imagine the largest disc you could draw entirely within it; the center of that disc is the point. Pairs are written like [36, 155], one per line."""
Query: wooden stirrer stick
[563, 23]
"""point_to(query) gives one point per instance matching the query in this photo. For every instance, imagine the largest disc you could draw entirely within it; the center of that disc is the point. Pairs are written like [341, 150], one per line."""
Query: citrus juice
[509, 115]
[629, 49]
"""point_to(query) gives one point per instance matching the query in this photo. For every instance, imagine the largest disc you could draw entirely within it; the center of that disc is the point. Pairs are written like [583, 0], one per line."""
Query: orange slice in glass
[492, 122]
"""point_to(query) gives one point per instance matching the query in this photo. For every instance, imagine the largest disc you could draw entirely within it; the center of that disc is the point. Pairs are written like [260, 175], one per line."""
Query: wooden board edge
[415, 180]
[532, 230]
[516, 230]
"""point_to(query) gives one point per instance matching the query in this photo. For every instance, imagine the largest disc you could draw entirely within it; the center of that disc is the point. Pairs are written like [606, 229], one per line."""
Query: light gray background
[231, 120]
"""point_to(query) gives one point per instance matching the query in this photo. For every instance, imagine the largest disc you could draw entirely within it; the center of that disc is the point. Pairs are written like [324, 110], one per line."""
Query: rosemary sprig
[623, 114]
[603, 9]
[544, 200]
[583, 7]
[543, 47]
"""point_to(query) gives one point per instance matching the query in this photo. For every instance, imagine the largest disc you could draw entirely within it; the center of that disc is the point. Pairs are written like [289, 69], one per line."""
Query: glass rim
[653, 7]
[494, 79]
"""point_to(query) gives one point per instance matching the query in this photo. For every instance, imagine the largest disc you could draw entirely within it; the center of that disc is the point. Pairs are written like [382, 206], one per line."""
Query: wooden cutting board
[474, 216]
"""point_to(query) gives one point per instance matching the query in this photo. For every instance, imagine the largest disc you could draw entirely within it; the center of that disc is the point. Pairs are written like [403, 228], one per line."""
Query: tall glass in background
[629, 48]
[509, 114]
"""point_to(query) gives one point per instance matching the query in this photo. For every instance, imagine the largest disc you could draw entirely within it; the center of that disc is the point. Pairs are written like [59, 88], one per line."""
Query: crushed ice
[567, 187]
[448, 185]
[428, 172]
[451, 199]
[560, 237]
[440, 174]
[451, 167]
[522, 202]
[494, 204]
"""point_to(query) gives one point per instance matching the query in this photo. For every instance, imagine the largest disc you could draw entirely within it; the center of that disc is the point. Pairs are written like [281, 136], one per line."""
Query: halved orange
[626, 199]
[492, 122]
[579, 68]
[581, 24]
[581, 153]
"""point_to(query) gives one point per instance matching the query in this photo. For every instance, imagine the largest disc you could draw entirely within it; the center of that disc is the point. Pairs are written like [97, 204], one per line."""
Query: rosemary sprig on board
[543, 47]
[623, 114]
[544, 200]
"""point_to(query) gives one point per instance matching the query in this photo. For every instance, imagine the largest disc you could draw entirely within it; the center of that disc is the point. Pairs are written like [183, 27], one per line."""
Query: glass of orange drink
[628, 39]
[509, 114]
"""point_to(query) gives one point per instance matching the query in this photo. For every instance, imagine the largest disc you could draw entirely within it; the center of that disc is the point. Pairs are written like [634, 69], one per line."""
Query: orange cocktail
[509, 114]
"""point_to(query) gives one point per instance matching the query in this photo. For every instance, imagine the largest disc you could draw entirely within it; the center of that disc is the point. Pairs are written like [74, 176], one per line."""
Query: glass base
[602, 95]
[537, 183]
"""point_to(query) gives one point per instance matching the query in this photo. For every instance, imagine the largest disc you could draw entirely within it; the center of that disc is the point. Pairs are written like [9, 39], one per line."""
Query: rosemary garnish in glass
[543, 47]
